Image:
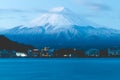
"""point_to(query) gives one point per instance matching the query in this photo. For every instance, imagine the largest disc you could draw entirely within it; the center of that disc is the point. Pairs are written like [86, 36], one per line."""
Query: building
[45, 52]
[62, 53]
[92, 53]
[50, 52]
[21, 54]
[114, 52]
[104, 53]
[36, 53]
[68, 53]
[4, 53]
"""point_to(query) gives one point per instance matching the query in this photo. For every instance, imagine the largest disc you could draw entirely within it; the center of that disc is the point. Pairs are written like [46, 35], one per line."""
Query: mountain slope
[7, 44]
[60, 27]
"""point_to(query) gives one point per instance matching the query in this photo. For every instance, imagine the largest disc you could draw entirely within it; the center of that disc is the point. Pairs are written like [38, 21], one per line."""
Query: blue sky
[18, 12]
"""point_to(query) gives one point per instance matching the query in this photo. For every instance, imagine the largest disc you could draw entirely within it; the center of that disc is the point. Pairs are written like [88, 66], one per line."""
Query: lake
[60, 69]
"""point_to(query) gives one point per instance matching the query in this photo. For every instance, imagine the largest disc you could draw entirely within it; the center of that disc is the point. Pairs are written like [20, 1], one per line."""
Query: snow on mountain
[60, 27]
[56, 20]
[59, 9]
[58, 17]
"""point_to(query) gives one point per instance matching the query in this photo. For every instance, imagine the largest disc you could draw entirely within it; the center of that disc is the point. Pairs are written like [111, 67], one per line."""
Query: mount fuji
[61, 28]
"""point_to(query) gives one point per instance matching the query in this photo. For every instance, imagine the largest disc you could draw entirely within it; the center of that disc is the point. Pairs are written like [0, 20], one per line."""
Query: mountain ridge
[68, 31]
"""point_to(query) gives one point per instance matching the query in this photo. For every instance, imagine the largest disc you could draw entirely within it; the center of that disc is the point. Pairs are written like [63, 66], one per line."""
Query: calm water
[59, 69]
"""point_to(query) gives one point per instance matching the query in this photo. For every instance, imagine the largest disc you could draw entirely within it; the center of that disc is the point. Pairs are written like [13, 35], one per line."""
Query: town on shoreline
[47, 52]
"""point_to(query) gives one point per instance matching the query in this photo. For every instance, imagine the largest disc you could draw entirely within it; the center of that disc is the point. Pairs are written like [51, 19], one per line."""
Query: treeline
[7, 44]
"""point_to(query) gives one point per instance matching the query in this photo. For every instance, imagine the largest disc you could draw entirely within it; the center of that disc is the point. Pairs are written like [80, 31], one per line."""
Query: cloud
[24, 15]
[11, 11]
[94, 5]
[7, 11]
[98, 7]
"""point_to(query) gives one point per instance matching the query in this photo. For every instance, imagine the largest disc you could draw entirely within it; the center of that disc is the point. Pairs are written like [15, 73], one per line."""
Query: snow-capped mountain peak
[57, 9]
[58, 17]
[61, 10]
